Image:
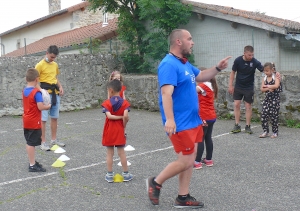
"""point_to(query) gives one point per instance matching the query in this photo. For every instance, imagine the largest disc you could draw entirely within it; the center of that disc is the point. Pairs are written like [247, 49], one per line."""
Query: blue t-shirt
[185, 100]
[38, 95]
[245, 71]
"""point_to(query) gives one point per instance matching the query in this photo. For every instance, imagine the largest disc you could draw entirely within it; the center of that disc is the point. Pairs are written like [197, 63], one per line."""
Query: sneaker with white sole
[189, 202]
[44, 146]
[57, 142]
[127, 177]
[197, 165]
[109, 177]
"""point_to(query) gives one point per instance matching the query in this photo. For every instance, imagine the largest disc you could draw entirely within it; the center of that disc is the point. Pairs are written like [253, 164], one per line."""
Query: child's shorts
[33, 137]
[116, 146]
[184, 141]
[53, 111]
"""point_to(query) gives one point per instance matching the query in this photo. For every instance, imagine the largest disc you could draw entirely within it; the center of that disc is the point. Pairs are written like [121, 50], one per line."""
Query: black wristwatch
[218, 68]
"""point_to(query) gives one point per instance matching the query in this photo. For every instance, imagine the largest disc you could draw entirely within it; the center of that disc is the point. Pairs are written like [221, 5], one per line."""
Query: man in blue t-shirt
[244, 67]
[179, 107]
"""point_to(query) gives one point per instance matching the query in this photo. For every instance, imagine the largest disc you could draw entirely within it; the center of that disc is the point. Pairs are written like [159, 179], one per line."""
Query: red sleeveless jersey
[113, 132]
[32, 115]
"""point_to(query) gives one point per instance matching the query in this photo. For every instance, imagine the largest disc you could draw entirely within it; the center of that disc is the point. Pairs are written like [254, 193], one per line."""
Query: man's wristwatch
[218, 68]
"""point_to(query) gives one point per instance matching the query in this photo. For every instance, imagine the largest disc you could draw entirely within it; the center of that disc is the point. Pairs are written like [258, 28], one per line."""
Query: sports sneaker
[236, 128]
[45, 146]
[197, 165]
[153, 191]
[127, 177]
[38, 164]
[248, 129]
[109, 177]
[36, 168]
[208, 163]
[57, 142]
[189, 202]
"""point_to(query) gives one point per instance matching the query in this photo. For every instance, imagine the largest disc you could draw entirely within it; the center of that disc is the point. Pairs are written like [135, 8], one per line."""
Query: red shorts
[184, 141]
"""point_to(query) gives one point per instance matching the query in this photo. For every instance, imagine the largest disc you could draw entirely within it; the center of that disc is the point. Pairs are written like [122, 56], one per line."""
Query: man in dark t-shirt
[244, 67]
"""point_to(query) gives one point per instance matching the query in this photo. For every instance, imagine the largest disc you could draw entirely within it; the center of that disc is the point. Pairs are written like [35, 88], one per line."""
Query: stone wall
[84, 79]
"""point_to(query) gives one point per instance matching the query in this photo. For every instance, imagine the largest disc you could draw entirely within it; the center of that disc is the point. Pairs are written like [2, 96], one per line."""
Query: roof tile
[290, 25]
[70, 38]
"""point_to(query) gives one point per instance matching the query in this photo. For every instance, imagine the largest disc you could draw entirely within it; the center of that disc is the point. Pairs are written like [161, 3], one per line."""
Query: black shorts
[33, 137]
[240, 94]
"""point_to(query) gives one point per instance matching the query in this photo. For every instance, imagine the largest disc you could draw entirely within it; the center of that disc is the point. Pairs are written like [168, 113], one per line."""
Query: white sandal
[274, 135]
[264, 135]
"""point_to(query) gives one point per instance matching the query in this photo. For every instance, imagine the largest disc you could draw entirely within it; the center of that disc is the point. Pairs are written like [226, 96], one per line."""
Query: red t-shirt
[32, 115]
[113, 132]
[206, 103]
[122, 91]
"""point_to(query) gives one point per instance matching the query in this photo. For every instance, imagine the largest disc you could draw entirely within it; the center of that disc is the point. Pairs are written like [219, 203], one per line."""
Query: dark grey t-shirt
[245, 71]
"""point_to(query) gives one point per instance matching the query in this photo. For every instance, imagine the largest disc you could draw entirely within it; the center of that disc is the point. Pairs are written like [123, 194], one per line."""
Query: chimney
[54, 6]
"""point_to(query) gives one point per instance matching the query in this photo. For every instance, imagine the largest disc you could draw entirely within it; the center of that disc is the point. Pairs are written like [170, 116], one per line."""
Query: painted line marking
[93, 164]
[3, 131]
[69, 123]
[18, 129]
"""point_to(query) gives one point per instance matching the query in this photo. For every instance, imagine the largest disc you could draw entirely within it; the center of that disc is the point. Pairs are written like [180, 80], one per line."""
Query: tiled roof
[69, 38]
[287, 24]
[67, 10]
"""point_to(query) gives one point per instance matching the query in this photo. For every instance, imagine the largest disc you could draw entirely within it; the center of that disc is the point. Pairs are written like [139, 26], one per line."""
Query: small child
[207, 93]
[117, 75]
[271, 104]
[33, 105]
[116, 110]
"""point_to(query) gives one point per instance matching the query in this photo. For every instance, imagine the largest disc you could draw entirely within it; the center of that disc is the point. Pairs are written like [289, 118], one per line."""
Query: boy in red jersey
[116, 110]
[33, 105]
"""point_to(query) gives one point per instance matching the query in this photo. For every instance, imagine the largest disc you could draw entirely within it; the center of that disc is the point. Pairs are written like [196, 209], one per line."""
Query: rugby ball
[46, 97]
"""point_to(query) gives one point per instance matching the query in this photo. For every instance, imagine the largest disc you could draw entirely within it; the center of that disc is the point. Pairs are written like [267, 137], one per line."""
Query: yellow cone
[118, 178]
[55, 147]
[58, 164]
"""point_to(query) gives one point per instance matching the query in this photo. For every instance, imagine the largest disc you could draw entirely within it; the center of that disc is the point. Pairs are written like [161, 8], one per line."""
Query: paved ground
[249, 173]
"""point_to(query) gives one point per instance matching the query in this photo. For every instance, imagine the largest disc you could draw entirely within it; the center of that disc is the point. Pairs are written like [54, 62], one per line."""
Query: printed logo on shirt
[186, 73]
[193, 78]
[251, 64]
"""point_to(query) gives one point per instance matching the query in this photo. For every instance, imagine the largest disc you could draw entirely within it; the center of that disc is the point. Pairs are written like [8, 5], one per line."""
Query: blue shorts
[53, 111]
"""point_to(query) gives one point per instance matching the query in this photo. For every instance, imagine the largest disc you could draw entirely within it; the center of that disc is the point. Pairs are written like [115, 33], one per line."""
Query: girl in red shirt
[117, 75]
[207, 93]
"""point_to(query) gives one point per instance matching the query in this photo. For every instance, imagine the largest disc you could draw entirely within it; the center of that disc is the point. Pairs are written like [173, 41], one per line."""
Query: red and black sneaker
[189, 202]
[153, 191]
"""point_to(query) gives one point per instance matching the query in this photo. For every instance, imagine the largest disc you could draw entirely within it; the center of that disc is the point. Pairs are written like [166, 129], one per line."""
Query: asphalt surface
[249, 173]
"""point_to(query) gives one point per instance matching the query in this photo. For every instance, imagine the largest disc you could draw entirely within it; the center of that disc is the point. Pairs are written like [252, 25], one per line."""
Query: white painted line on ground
[18, 129]
[69, 123]
[3, 131]
[83, 121]
[93, 164]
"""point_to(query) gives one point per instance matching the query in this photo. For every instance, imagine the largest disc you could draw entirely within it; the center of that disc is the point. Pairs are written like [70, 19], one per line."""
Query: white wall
[37, 31]
[215, 39]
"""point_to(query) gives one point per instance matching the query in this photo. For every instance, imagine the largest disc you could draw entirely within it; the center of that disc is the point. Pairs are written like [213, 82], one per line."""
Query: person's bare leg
[122, 155]
[237, 111]
[109, 158]
[53, 128]
[183, 162]
[185, 176]
[248, 113]
[43, 131]
[31, 154]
